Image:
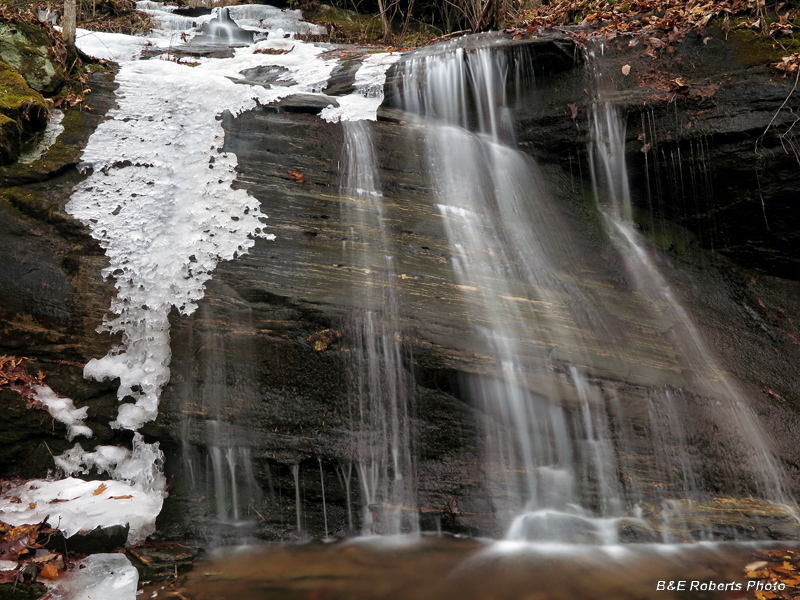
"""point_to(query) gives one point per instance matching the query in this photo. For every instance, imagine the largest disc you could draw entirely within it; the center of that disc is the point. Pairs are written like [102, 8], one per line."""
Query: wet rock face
[707, 156]
[52, 297]
[28, 49]
[22, 112]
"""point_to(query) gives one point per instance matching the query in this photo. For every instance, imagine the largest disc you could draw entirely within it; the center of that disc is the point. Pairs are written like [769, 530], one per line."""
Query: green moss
[9, 140]
[19, 102]
[21, 591]
[665, 234]
[349, 25]
[28, 205]
[753, 48]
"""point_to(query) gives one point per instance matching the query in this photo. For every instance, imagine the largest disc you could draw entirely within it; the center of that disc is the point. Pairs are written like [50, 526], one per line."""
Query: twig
[760, 142]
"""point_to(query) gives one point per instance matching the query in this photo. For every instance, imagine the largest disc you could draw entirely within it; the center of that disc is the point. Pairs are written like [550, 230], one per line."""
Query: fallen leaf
[297, 176]
[45, 559]
[626, 69]
[100, 489]
[32, 505]
[573, 108]
[120, 497]
[49, 572]
[272, 51]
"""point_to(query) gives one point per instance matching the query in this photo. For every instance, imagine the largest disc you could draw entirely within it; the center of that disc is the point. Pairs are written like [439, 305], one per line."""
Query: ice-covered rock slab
[72, 505]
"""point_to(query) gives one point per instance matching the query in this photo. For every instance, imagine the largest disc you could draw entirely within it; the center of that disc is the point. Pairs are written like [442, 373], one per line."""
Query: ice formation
[63, 410]
[265, 18]
[50, 135]
[98, 577]
[363, 103]
[160, 202]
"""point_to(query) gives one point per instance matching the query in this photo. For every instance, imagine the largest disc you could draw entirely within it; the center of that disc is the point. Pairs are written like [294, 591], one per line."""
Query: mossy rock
[29, 50]
[19, 102]
[9, 140]
[22, 111]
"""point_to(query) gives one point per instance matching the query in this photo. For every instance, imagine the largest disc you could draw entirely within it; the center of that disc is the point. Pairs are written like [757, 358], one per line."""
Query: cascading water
[489, 196]
[563, 431]
[381, 389]
[728, 407]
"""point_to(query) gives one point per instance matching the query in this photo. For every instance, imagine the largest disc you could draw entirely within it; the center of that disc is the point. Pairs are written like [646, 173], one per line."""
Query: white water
[731, 411]
[550, 419]
[381, 389]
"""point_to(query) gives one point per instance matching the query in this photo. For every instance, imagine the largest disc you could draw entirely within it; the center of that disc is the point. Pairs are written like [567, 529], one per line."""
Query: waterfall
[506, 244]
[563, 432]
[381, 390]
[729, 408]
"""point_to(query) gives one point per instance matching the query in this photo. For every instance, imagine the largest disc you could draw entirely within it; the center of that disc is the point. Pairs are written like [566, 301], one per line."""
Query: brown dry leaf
[707, 92]
[49, 572]
[297, 176]
[100, 489]
[120, 497]
[32, 505]
[679, 85]
[323, 339]
[45, 559]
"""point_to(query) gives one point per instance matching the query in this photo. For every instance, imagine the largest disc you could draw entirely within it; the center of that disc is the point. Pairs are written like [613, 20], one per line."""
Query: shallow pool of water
[464, 569]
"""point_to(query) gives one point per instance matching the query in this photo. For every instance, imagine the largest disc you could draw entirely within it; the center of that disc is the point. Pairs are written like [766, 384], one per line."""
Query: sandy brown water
[466, 569]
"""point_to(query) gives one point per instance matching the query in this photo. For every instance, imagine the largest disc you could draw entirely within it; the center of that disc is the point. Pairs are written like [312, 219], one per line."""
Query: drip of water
[231, 480]
[345, 477]
[297, 507]
[324, 505]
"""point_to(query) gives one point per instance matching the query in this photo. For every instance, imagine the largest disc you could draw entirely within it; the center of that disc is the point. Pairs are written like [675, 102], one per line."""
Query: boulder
[29, 50]
[22, 110]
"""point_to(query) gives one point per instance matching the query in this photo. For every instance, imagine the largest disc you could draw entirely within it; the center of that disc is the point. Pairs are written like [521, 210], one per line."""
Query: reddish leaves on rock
[14, 541]
[14, 377]
[297, 176]
[659, 23]
[573, 108]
